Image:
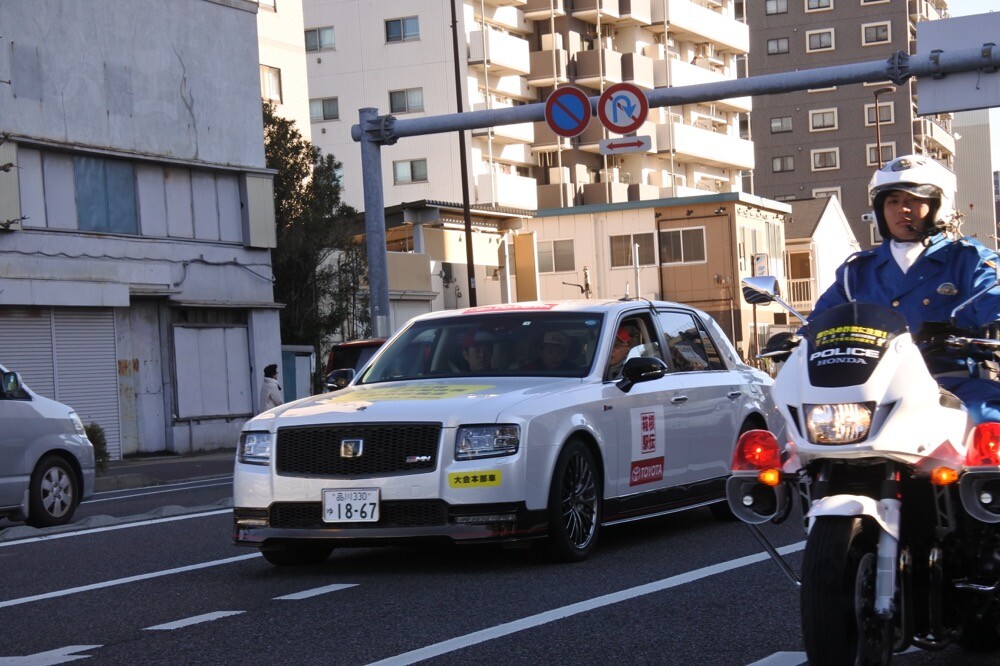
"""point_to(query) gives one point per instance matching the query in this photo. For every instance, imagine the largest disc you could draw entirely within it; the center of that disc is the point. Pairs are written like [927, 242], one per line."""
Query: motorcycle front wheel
[839, 625]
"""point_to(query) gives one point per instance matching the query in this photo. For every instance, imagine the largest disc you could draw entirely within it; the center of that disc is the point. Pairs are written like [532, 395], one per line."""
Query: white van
[46, 460]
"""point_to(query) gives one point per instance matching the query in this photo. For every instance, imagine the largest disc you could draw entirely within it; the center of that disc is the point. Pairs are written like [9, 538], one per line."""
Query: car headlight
[843, 423]
[255, 448]
[78, 424]
[486, 441]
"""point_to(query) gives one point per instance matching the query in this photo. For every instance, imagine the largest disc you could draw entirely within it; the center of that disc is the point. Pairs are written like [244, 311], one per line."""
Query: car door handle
[732, 395]
[678, 399]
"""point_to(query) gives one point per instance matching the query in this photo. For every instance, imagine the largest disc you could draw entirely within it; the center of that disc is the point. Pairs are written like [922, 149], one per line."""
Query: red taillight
[757, 450]
[985, 446]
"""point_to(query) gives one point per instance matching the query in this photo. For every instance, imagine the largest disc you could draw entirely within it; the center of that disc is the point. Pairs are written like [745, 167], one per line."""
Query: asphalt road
[171, 589]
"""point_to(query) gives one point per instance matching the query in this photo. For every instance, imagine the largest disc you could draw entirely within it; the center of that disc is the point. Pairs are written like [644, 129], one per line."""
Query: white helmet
[921, 176]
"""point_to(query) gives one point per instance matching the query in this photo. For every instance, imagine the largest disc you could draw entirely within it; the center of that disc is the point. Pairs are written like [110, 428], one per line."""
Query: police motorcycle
[899, 489]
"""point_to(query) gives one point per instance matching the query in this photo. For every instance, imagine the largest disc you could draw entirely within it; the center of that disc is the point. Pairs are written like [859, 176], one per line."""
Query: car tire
[54, 493]
[297, 554]
[575, 499]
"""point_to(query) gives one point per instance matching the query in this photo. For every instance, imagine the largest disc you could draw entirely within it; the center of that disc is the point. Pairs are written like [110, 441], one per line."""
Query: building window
[556, 256]
[888, 153]
[324, 109]
[319, 39]
[820, 193]
[105, 195]
[402, 29]
[825, 159]
[270, 84]
[873, 2]
[876, 33]
[409, 171]
[782, 124]
[782, 163]
[818, 5]
[822, 120]
[682, 246]
[406, 101]
[621, 250]
[819, 40]
[777, 45]
[886, 113]
[776, 6]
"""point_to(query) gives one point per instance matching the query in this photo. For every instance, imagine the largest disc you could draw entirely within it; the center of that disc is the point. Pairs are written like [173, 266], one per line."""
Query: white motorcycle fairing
[883, 512]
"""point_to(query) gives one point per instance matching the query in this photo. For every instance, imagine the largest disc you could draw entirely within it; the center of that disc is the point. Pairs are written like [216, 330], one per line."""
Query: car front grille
[396, 448]
[409, 513]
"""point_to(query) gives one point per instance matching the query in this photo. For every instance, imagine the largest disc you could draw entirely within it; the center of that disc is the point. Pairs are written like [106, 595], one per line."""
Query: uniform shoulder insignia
[860, 255]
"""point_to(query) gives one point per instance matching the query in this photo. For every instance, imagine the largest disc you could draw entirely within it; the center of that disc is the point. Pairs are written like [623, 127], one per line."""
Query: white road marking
[57, 656]
[782, 659]
[315, 592]
[123, 581]
[159, 490]
[533, 621]
[111, 528]
[197, 619]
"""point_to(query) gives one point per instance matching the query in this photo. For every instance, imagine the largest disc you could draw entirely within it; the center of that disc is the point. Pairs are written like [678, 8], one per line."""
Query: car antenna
[626, 297]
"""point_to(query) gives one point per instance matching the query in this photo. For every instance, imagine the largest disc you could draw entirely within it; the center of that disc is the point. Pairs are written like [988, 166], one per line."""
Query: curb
[124, 481]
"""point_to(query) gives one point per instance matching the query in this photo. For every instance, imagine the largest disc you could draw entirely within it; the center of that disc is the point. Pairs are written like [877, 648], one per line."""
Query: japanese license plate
[350, 505]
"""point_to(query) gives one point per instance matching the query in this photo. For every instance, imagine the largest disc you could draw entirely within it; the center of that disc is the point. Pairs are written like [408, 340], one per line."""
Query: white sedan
[505, 423]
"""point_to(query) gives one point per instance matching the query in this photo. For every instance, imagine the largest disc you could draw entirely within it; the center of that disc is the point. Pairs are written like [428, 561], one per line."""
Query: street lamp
[878, 123]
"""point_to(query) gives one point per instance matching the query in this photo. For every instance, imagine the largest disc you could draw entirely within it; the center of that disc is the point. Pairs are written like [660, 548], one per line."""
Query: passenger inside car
[477, 350]
[554, 353]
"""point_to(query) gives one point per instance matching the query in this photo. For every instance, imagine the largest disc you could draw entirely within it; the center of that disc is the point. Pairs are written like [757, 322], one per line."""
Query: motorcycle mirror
[985, 290]
[760, 289]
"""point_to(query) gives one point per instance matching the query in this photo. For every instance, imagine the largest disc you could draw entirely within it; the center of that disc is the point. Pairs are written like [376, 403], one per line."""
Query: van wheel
[53, 494]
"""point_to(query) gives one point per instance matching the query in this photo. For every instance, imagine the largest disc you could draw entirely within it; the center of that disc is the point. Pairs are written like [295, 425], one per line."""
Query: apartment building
[283, 79]
[827, 141]
[398, 56]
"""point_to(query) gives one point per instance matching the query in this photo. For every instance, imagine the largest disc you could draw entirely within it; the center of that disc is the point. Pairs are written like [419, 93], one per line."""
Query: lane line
[49, 657]
[156, 492]
[533, 621]
[315, 592]
[782, 659]
[112, 528]
[197, 619]
[124, 581]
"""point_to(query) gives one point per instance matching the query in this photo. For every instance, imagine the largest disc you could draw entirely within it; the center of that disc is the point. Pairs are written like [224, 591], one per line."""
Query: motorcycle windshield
[846, 342]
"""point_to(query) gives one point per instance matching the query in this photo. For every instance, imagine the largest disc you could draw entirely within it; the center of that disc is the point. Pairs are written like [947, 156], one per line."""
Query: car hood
[452, 402]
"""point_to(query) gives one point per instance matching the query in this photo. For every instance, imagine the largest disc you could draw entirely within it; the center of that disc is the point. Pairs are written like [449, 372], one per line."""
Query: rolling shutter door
[403, 311]
[87, 369]
[26, 347]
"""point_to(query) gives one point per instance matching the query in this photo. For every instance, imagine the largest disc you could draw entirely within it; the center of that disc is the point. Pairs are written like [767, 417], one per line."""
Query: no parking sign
[567, 111]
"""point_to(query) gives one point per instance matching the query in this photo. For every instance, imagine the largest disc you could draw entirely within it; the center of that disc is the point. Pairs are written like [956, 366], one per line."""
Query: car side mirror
[641, 369]
[339, 378]
[761, 289]
[11, 383]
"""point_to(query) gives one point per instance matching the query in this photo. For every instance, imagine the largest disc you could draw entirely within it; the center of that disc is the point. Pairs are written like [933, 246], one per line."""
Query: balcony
[513, 85]
[505, 54]
[694, 144]
[589, 140]
[542, 74]
[596, 65]
[691, 22]
[638, 70]
[536, 10]
[680, 73]
[507, 3]
[643, 192]
[549, 196]
[604, 193]
[934, 134]
[635, 12]
[589, 10]
[507, 190]
[518, 133]
[802, 294]
[547, 141]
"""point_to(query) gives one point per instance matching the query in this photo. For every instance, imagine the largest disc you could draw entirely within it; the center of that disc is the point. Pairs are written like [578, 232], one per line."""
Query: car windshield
[552, 344]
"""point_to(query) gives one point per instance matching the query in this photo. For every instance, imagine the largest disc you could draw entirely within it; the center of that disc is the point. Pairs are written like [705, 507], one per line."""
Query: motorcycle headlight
[473, 442]
[843, 423]
[255, 448]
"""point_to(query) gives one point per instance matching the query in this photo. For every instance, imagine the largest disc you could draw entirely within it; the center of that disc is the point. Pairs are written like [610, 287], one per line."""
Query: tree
[314, 229]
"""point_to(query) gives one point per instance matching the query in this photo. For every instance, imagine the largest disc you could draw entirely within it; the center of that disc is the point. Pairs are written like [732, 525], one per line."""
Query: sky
[965, 8]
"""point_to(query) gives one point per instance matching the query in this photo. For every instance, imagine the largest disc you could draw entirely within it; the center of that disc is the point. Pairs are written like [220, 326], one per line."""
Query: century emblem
[351, 448]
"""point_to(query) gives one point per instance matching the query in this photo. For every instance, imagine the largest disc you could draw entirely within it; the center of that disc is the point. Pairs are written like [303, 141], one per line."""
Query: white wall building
[136, 279]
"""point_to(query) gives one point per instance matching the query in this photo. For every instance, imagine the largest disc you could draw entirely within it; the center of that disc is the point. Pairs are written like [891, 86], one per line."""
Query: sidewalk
[168, 468]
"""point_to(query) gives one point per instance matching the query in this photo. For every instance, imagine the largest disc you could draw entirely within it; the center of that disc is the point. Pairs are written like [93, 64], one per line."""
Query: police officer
[920, 270]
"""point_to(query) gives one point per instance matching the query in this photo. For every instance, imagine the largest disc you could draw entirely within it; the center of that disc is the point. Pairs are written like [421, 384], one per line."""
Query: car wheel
[574, 504]
[297, 554]
[53, 494]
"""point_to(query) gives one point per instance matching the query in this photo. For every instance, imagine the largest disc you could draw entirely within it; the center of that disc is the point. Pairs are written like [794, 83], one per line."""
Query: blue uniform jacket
[944, 276]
